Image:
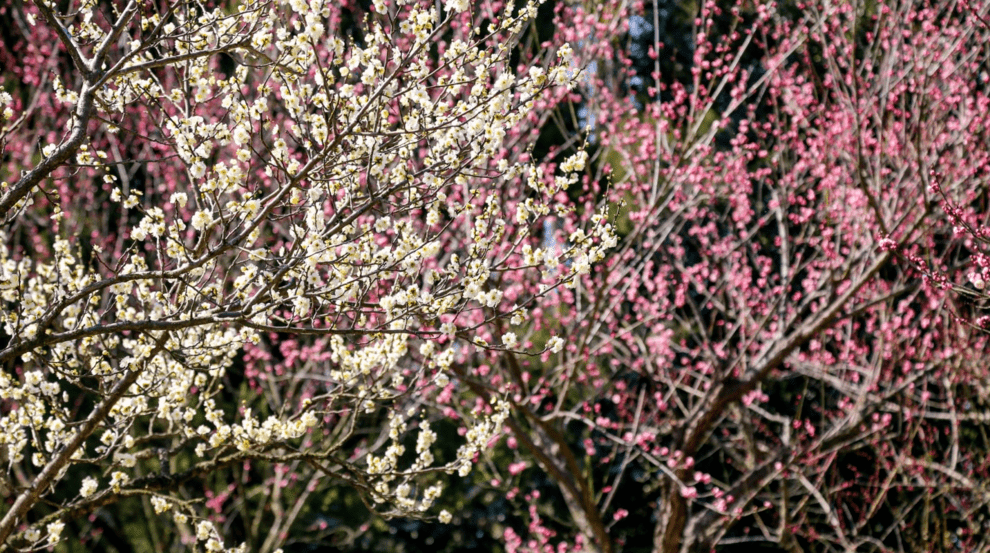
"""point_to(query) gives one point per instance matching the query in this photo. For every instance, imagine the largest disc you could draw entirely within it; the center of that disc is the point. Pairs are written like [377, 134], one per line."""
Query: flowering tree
[241, 238]
[256, 253]
[777, 351]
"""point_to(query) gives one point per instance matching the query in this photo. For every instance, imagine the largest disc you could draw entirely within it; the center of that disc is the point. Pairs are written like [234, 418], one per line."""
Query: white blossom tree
[186, 183]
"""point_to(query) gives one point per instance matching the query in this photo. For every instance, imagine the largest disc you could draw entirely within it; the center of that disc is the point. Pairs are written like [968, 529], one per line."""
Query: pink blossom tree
[778, 351]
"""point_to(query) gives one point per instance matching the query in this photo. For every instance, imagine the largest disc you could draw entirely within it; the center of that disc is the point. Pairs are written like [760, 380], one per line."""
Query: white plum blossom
[204, 529]
[198, 170]
[55, 531]
[457, 6]
[510, 340]
[89, 486]
[6, 112]
[117, 479]
[201, 220]
[180, 199]
[160, 504]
